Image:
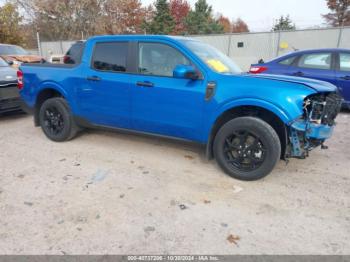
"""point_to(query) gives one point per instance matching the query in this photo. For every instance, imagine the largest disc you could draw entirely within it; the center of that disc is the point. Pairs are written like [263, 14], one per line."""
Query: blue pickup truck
[182, 88]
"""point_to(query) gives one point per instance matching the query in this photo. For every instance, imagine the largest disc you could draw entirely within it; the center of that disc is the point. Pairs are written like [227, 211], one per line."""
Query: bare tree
[239, 26]
[122, 16]
[340, 13]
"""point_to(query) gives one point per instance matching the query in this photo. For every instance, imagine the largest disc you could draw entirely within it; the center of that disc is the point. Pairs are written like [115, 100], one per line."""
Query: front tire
[56, 120]
[247, 148]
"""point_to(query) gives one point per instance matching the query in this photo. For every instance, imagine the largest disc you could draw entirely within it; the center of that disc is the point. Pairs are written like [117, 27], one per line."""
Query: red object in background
[20, 79]
[66, 59]
[257, 69]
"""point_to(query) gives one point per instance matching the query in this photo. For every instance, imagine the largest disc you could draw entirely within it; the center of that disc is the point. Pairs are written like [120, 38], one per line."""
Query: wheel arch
[46, 92]
[273, 119]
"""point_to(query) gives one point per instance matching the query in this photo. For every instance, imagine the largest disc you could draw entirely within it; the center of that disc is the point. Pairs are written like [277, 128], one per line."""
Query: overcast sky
[260, 14]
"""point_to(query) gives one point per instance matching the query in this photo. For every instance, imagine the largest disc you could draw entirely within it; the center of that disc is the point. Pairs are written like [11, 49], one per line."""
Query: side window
[110, 56]
[159, 59]
[316, 61]
[344, 61]
[287, 61]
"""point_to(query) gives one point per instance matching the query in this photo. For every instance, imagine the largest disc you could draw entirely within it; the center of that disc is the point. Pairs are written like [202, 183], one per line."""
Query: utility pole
[38, 43]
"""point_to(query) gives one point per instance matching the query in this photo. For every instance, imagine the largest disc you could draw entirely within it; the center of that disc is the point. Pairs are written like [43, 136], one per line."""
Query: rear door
[282, 66]
[104, 96]
[320, 65]
[343, 75]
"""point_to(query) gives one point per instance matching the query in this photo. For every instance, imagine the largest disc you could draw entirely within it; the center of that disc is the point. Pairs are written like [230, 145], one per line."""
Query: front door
[104, 98]
[161, 103]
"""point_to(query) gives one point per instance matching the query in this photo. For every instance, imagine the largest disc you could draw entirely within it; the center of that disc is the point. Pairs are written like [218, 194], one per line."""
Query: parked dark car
[9, 95]
[331, 65]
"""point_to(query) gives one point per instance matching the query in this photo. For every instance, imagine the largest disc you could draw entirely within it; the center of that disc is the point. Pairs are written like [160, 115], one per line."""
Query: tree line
[79, 19]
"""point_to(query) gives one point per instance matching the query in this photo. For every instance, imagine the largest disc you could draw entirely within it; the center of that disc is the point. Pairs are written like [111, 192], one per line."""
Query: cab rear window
[74, 54]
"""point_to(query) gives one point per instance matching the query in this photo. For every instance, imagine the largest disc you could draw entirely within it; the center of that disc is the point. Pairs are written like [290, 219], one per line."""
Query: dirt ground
[113, 193]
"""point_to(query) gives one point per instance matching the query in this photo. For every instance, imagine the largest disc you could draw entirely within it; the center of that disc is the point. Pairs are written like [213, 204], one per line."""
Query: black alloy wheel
[247, 148]
[56, 120]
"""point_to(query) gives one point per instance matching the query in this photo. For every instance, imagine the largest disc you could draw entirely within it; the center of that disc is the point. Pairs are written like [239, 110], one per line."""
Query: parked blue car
[331, 65]
[182, 88]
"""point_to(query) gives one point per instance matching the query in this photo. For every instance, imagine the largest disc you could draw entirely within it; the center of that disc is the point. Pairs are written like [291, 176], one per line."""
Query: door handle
[145, 84]
[298, 73]
[93, 78]
[345, 78]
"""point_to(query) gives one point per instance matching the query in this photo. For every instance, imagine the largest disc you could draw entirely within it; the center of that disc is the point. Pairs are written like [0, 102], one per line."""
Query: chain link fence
[248, 48]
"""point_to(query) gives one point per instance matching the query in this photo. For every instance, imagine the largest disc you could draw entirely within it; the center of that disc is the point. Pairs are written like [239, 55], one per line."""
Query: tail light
[66, 59]
[257, 69]
[20, 79]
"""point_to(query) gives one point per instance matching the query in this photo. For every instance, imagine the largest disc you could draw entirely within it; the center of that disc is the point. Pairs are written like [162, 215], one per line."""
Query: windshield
[12, 50]
[3, 63]
[213, 58]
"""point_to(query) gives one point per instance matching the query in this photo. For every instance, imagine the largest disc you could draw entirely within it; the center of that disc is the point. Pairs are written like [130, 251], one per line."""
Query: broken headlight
[322, 108]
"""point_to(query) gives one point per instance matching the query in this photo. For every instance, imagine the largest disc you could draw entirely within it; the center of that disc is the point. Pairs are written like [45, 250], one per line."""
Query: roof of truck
[164, 37]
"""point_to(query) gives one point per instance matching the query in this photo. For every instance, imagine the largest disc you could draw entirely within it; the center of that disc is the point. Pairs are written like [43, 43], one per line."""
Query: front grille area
[323, 108]
[332, 109]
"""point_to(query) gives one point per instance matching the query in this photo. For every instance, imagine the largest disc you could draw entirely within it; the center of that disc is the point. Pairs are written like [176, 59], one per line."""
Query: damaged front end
[315, 125]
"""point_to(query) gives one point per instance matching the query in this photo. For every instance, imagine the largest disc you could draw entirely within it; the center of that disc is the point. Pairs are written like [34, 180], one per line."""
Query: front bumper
[305, 136]
[11, 104]
[315, 126]
[312, 130]
[9, 97]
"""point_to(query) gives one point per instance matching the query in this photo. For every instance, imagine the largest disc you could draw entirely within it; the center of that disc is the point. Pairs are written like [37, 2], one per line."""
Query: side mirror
[185, 72]
[261, 61]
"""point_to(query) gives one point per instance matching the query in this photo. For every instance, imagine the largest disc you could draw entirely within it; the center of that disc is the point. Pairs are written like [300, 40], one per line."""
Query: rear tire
[247, 148]
[56, 120]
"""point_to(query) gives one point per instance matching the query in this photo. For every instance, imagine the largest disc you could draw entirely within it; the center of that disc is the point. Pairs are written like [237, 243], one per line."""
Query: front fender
[286, 114]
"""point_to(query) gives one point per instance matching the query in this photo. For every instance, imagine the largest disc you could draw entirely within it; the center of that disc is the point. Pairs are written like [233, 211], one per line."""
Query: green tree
[284, 23]
[10, 25]
[162, 22]
[201, 21]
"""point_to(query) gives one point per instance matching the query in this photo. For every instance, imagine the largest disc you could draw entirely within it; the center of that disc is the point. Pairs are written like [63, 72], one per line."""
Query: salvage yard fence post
[38, 43]
[340, 36]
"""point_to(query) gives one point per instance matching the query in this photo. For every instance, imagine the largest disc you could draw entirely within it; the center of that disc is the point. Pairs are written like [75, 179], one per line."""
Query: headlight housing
[322, 108]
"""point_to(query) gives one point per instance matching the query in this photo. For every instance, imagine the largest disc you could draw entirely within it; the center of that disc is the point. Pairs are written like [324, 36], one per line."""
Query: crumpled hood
[23, 58]
[317, 85]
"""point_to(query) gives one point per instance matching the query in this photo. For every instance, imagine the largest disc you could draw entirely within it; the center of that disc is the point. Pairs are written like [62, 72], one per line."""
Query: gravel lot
[127, 194]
